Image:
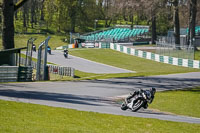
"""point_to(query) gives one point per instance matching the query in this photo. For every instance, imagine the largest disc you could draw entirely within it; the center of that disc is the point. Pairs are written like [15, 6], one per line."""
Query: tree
[50, 9]
[108, 10]
[33, 13]
[176, 22]
[8, 9]
[42, 10]
[152, 7]
[192, 20]
[25, 17]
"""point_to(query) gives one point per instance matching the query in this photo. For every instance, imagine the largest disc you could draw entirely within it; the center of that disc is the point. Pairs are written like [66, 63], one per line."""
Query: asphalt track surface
[81, 64]
[98, 95]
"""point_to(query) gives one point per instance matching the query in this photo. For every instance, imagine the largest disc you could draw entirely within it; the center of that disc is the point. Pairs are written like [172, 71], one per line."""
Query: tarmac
[81, 64]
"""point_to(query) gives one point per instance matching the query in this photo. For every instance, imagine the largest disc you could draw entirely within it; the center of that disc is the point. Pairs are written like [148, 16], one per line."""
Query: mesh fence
[183, 51]
[41, 73]
[29, 51]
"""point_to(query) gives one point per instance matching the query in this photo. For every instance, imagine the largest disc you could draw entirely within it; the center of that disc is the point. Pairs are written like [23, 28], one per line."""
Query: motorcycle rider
[34, 47]
[65, 53]
[49, 49]
[152, 91]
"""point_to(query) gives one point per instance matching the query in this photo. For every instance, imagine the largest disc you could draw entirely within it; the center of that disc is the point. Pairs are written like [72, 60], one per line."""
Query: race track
[81, 64]
[97, 95]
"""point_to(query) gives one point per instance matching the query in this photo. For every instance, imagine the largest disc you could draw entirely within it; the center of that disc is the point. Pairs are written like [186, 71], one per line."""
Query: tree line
[80, 15]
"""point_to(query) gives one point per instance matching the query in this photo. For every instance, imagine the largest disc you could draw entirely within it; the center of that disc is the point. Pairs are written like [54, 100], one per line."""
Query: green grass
[21, 40]
[182, 102]
[30, 118]
[142, 66]
[197, 55]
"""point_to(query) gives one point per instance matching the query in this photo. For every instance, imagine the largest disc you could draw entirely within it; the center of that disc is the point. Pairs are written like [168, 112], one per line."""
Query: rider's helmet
[153, 90]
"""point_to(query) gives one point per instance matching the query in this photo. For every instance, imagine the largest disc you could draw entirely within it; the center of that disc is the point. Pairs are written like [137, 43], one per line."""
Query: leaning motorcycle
[138, 100]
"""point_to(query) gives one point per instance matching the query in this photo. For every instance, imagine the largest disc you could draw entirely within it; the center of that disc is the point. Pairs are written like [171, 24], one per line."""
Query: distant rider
[34, 47]
[49, 49]
[66, 53]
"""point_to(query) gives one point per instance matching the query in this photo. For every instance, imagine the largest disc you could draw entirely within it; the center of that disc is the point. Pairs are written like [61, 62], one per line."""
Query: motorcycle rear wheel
[137, 105]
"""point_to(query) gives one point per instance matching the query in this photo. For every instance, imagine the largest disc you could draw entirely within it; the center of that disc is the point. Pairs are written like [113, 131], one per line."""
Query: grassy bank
[30, 118]
[140, 65]
[182, 102]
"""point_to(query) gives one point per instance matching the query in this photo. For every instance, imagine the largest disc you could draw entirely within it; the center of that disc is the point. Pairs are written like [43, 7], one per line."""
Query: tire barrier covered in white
[156, 57]
[60, 70]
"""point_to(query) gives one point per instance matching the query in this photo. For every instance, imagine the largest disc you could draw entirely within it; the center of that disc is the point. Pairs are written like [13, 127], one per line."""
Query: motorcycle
[66, 54]
[138, 100]
[34, 48]
[49, 50]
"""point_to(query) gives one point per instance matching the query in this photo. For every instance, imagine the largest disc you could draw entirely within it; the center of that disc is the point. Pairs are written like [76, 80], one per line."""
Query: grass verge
[31, 118]
[143, 67]
[182, 102]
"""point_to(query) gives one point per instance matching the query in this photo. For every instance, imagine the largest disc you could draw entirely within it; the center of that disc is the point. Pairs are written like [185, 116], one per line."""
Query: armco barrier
[8, 73]
[15, 73]
[156, 57]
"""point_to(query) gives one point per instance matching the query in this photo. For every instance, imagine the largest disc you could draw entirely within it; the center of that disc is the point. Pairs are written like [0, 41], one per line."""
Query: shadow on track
[65, 98]
[162, 84]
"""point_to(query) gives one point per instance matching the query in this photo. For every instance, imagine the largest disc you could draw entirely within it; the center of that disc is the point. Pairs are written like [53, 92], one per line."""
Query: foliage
[66, 14]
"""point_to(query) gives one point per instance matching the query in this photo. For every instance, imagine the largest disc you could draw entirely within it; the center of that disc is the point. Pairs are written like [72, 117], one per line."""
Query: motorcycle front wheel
[124, 106]
[137, 105]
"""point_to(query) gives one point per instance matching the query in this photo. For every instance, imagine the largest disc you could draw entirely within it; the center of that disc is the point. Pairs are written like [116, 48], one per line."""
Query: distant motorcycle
[34, 48]
[139, 99]
[66, 53]
[49, 50]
